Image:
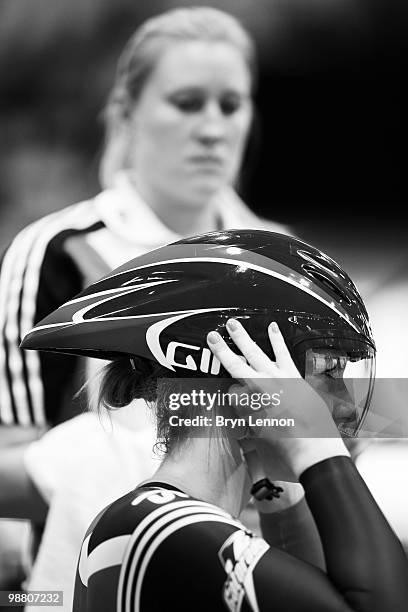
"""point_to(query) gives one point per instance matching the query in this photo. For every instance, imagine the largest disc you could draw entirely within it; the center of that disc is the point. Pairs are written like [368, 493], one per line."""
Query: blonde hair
[139, 58]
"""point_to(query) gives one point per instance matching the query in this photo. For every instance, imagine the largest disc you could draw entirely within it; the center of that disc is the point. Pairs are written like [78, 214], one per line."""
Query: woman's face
[331, 379]
[190, 124]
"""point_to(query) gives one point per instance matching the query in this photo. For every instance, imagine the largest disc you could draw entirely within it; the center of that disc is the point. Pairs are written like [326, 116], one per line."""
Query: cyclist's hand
[314, 432]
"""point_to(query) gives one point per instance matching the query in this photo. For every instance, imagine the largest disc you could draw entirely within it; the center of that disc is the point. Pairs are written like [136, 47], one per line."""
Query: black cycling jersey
[43, 267]
[158, 549]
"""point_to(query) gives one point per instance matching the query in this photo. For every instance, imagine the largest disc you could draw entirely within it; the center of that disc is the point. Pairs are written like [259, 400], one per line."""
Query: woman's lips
[207, 160]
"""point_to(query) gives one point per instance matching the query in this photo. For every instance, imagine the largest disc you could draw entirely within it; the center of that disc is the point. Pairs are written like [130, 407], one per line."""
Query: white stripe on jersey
[154, 522]
[19, 285]
[83, 561]
[183, 522]
[105, 555]
[6, 273]
[149, 520]
[113, 551]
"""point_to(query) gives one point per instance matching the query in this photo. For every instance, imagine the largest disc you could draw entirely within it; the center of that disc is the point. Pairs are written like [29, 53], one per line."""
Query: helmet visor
[345, 380]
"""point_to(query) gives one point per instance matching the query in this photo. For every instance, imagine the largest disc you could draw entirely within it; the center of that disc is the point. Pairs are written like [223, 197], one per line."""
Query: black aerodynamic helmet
[161, 305]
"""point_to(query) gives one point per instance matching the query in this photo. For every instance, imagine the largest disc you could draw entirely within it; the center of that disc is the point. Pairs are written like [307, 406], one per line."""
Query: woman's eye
[188, 104]
[230, 105]
[337, 370]
[330, 366]
[195, 103]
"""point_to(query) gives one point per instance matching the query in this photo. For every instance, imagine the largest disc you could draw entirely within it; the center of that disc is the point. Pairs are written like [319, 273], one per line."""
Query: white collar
[128, 216]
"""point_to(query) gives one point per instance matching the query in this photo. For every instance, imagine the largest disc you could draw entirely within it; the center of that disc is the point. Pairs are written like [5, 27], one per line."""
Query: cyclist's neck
[204, 469]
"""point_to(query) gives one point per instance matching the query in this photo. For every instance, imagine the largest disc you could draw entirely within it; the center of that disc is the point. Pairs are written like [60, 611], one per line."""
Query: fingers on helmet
[281, 351]
[250, 350]
[234, 364]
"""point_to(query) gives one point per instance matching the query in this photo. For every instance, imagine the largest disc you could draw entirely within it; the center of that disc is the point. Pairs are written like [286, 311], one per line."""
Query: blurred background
[327, 157]
[331, 101]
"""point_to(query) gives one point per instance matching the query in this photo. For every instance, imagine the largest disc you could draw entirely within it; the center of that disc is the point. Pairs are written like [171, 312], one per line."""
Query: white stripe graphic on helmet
[78, 317]
[244, 265]
[112, 292]
[143, 316]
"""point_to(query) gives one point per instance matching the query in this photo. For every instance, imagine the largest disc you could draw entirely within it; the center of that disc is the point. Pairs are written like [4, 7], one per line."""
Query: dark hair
[125, 380]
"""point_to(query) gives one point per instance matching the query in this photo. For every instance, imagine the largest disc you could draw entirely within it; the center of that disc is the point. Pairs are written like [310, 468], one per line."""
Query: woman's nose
[212, 126]
[343, 406]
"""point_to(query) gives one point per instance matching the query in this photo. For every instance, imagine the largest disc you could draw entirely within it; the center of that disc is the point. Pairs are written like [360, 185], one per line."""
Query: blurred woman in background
[177, 124]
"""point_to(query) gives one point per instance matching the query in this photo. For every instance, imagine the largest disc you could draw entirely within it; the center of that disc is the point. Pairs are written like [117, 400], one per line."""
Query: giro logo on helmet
[201, 360]
[206, 364]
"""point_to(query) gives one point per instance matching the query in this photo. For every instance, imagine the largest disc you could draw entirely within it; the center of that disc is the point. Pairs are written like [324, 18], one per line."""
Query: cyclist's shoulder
[153, 508]
[141, 536]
